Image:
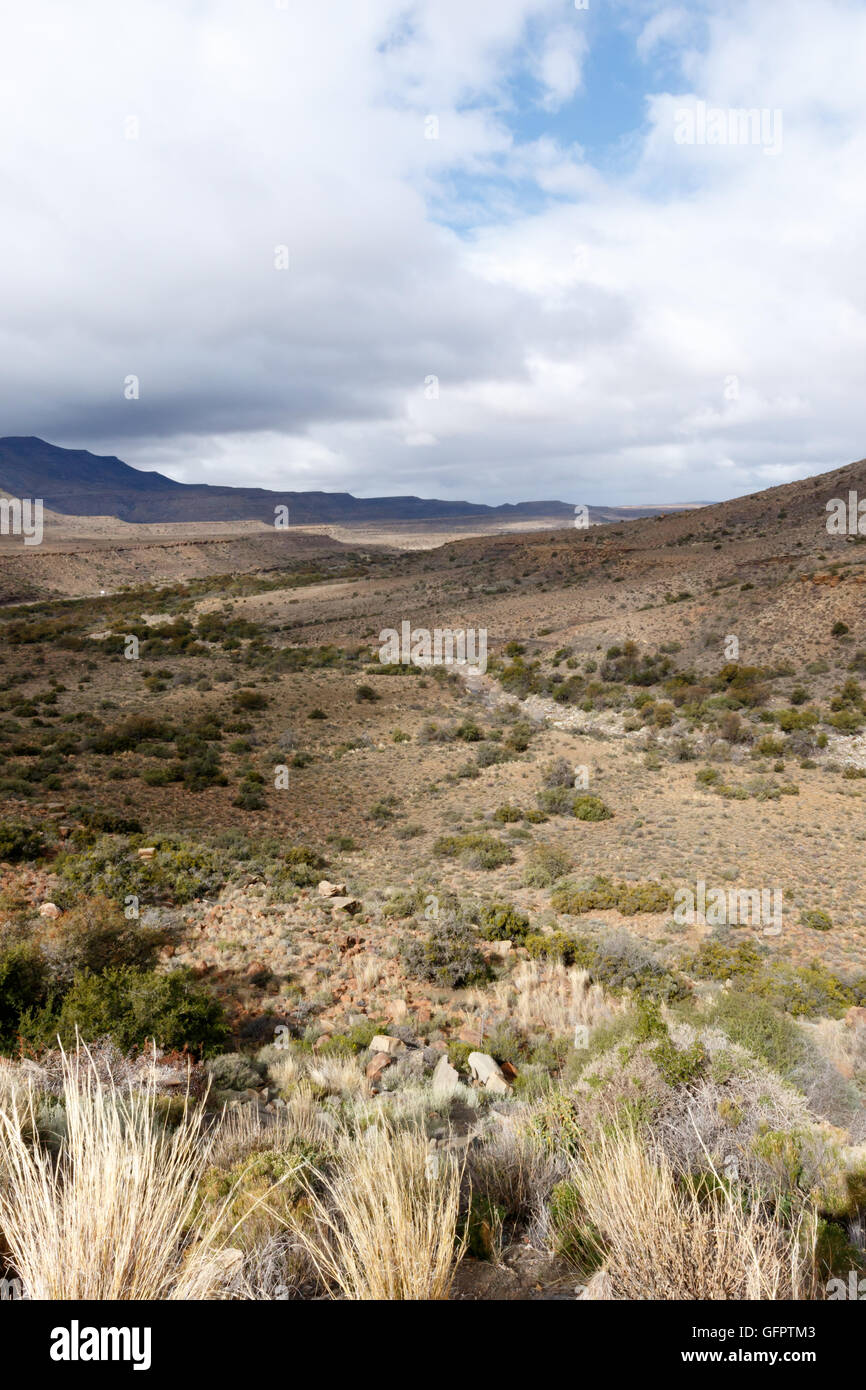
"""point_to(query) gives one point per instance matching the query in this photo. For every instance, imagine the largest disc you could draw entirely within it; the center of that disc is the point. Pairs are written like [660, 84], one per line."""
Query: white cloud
[582, 333]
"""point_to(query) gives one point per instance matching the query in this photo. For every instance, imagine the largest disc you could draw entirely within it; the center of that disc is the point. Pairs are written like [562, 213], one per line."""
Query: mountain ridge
[76, 482]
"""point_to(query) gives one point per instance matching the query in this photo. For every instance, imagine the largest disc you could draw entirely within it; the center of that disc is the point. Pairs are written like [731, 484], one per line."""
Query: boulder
[392, 1047]
[445, 1077]
[147, 852]
[488, 1071]
[349, 905]
[378, 1063]
[331, 890]
[49, 910]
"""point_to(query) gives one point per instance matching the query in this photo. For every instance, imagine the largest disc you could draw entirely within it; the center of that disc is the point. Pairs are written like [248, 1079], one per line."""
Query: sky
[498, 250]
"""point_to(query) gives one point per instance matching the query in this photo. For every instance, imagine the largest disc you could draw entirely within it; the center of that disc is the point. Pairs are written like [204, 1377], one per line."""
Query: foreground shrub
[132, 1007]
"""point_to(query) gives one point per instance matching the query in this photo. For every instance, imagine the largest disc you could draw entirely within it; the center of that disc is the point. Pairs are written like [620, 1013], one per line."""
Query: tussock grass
[383, 1224]
[112, 1218]
[551, 996]
[664, 1239]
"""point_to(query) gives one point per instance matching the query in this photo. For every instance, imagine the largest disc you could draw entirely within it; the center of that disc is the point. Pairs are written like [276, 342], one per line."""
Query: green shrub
[817, 919]
[591, 808]
[18, 842]
[477, 849]
[762, 1029]
[132, 1007]
[545, 864]
[23, 987]
[502, 922]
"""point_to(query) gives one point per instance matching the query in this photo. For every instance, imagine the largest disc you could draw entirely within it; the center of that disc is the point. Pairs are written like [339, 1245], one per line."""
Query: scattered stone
[49, 910]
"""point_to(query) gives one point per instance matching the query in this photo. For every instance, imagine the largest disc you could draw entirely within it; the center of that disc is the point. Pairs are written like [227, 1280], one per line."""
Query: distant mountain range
[75, 482]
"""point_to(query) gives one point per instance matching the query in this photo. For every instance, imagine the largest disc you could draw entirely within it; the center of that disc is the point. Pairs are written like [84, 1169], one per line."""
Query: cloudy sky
[521, 263]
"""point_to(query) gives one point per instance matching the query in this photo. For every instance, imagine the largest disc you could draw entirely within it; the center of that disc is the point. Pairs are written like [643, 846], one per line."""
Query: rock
[349, 905]
[331, 890]
[321, 1042]
[378, 1063]
[49, 910]
[147, 852]
[391, 1046]
[488, 1072]
[509, 1071]
[228, 1262]
[445, 1077]
[498, 948]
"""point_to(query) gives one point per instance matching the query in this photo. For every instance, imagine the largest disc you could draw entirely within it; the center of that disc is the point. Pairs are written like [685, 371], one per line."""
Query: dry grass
[663, 1241]
[383, 1224]
[112, 1218]
[338, 1076]
[551, 996]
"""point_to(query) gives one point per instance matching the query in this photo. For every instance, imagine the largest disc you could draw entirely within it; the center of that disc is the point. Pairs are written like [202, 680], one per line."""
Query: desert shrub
[126, 736]
[95, 935]
[545, 864]
[131, 1006]
[247, 699]
[556, 801]
[365, 694]
[18, 842]
[817, 919]
[623, 963]
[553, 946]
[502, 922]
[762, 1029]
[507, 814]
[559, 773]
[232, 1071]
[477, 849]
[591, 808]
[599, 893]
[722, 960]
[447, 955]
[177, 872]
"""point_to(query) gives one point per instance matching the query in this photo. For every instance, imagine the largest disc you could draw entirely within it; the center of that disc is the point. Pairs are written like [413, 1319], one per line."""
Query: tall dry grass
[551, 996]
[113, 1216]
[663, 1240]
[383, 1224]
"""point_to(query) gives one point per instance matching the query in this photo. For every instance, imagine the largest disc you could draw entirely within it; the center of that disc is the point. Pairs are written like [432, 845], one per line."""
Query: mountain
[75, 482]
